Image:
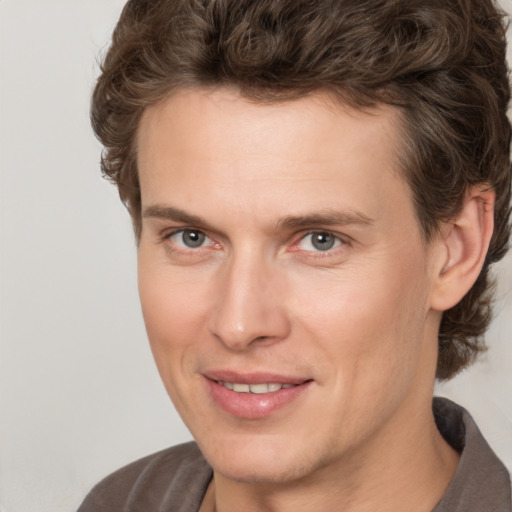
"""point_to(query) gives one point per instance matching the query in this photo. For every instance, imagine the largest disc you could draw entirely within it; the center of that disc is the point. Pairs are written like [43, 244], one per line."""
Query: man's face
[280, 254]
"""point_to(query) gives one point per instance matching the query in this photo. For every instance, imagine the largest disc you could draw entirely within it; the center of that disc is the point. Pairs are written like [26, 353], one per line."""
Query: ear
[463, 244]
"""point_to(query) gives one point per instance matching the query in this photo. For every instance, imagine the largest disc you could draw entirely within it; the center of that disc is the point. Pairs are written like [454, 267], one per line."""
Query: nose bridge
[249, 308]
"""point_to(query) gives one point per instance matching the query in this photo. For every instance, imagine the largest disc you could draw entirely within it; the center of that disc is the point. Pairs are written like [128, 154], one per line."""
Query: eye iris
[193, 239]
[323, 241]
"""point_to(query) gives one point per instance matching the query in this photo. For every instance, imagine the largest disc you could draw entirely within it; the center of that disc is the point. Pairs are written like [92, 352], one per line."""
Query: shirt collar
[481, 482]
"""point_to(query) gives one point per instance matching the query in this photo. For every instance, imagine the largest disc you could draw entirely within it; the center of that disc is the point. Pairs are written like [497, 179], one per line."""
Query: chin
[264, 473]
[260, 462]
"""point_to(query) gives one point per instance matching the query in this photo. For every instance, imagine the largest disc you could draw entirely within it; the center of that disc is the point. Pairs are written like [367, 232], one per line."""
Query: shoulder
[177, 476]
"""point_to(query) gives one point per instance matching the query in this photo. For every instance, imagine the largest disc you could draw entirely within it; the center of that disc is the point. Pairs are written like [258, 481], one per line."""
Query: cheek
[172, 315]
[369, 322]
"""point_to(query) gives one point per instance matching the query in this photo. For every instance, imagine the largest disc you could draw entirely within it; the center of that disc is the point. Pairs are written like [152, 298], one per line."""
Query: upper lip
[253, 377]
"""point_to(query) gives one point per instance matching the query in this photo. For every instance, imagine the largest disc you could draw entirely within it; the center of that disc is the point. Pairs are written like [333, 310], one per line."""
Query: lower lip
[253, 405]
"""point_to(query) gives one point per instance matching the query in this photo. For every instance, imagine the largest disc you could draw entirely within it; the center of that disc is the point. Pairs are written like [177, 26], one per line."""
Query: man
[318, 189]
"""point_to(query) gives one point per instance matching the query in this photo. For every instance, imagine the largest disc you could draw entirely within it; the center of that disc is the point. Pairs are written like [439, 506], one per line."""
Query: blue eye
[189, 238]
[319, 241]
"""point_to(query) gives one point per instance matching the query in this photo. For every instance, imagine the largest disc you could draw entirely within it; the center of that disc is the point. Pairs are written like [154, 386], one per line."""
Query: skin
[359, 320]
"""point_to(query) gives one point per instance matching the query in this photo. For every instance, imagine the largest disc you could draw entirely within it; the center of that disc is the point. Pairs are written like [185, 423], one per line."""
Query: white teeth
[258, 389]
[241, 388]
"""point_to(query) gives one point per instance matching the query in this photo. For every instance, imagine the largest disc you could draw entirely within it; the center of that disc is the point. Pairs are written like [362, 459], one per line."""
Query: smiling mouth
[257, 395]
[257, 389]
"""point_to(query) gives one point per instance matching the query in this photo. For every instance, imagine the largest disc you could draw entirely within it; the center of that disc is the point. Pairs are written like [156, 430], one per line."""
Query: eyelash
[339, 241]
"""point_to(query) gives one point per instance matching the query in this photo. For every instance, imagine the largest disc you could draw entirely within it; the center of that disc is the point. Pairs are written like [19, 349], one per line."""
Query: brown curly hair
[440, 63]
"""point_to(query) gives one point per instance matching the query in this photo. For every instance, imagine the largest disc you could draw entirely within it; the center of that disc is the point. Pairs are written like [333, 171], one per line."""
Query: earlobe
[464, 242]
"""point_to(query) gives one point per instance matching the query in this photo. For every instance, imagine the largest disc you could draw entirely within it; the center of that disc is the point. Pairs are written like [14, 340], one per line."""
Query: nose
[249, 307]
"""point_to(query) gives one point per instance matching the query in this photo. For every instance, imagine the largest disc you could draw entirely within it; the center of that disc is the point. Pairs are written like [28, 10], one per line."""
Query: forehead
[201, 145]
[209, 114]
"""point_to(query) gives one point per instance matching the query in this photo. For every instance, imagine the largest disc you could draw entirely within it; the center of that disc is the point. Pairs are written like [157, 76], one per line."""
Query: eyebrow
[327, 217]
[174, 214]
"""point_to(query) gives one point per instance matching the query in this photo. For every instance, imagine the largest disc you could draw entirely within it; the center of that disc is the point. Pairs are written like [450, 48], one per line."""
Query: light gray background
[80, 395]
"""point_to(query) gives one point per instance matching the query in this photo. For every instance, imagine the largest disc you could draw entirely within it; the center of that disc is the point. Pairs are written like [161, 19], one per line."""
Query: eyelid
[168, 232]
